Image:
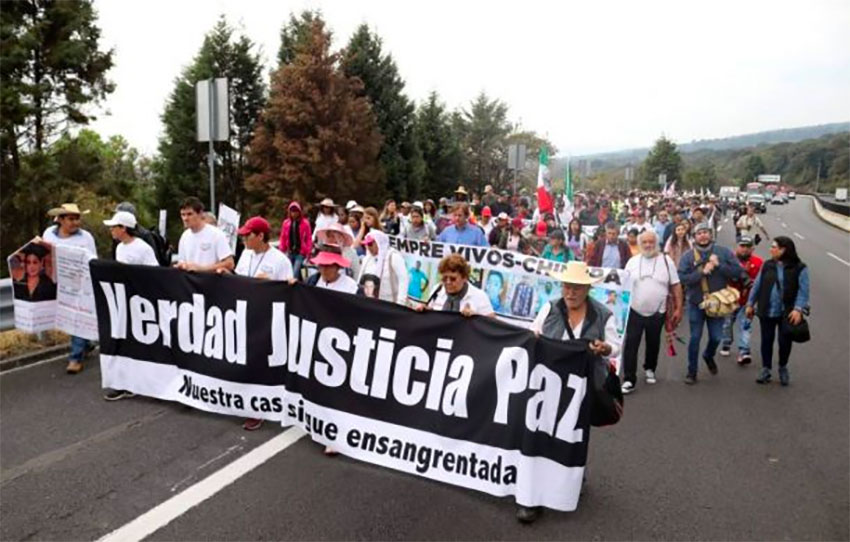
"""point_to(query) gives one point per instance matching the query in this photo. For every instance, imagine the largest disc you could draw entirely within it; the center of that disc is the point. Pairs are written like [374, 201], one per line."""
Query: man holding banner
[67, 231]
[202, 247]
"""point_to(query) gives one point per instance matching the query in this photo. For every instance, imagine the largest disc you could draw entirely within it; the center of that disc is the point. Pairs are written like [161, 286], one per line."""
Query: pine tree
[400, 156]
[485, 128]
[317, 137]
[182, 165]
[52, 72]
[295, 34]
[663, 158]
[439, 146]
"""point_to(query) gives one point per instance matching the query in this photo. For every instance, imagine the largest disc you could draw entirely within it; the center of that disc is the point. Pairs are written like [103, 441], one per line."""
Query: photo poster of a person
[495, 286]
[422, 278]
[371, 285]
[31, 268]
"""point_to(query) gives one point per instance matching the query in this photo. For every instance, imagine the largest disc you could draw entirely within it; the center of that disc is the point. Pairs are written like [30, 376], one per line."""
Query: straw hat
[575, 273]
[67, 209]
[327, 202]
[461, 190]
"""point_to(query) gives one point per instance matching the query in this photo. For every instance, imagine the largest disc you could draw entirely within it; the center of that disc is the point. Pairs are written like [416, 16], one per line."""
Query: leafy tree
[439, 146]
[295, 35]
[755, 167]
[701, 176]
[182, 165]
[52, 70]
[317, 137]
[400, 156]
[484, 128]
[664, 158]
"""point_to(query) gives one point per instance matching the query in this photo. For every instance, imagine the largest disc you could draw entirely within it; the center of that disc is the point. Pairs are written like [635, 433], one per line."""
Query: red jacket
[752, 266]
[304, 233]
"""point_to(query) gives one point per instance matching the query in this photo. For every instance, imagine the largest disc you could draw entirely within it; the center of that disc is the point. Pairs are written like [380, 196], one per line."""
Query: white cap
[350, 205]
[418, 204]
[503, 216]
[121, 218]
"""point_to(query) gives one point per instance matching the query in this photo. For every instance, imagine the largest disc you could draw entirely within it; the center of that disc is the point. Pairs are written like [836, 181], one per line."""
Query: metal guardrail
[829, 203]
[7, 305]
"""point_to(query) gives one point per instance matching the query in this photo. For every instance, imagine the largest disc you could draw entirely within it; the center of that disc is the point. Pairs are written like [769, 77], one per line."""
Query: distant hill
[786, 135]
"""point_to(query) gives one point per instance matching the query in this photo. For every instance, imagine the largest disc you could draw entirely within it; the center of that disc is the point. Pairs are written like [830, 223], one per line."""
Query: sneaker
[73, 367]
[527, 514]
[746, 359]
[712, 367]
[764, 376]
[724, 351]
[650, 376]
[627, 387]
[252, 424]
[691, 379]
[115, 395]
[784, 377]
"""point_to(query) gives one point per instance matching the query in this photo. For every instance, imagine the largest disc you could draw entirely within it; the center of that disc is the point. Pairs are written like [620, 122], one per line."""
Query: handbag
[798, 333]
[717, 304]
[605, 394]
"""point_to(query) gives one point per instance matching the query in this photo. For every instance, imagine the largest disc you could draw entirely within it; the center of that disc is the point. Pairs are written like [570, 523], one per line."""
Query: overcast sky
[592, 75]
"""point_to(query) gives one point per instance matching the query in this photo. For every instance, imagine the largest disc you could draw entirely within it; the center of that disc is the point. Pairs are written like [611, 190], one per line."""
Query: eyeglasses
[450, 278]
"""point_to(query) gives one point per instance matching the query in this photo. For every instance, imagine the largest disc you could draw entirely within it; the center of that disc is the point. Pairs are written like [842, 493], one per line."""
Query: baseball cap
[745, 240]
[486, 211]
[350, 205]
[702, 226]
[126, 206]
[121, 218]
[503, 216]
[255, 224]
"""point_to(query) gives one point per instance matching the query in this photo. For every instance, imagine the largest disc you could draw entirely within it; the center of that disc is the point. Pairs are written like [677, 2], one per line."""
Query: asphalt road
[726, 459]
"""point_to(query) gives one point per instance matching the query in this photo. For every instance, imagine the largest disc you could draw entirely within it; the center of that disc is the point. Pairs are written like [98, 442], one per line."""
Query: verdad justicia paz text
[436, 380]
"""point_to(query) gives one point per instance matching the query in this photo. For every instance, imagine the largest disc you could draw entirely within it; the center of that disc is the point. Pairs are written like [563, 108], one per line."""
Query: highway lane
[726, 459]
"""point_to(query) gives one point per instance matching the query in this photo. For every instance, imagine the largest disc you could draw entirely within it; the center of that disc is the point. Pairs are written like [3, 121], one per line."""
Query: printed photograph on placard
[422, 278]
[32, 270]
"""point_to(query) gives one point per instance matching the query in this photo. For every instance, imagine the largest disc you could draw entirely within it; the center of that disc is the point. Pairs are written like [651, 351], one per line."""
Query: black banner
[470, 401]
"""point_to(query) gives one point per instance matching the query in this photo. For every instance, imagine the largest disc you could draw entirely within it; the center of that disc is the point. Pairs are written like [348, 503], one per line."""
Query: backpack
[160, 247]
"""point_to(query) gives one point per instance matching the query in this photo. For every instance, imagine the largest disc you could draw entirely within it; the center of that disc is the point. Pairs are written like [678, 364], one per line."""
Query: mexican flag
[545, 202]
[568, 183]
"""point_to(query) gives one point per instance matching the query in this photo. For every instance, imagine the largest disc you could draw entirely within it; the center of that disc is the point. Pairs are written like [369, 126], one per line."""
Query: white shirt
[136, 252]
[81, 238]
[343, 283]
[475, 299]
[611, 336]
[323, 221]
[207, 247]
[272, 263]
[651, 280]
[488, 227]
[747, 223]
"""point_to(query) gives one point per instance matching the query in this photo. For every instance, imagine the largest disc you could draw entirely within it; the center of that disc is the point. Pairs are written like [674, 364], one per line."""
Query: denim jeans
[79, 346]
[297, 263]
[744, 325]
[696, 318]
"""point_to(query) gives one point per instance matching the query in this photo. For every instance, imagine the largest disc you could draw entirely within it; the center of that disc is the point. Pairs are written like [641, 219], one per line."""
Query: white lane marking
[60, 357]
[784, 225]
[798, 236]
[845, 262]
[161, 515]
[719, 228]
[725, 220]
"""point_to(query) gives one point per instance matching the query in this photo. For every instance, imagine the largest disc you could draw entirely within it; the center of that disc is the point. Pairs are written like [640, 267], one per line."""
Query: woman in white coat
[383, 269]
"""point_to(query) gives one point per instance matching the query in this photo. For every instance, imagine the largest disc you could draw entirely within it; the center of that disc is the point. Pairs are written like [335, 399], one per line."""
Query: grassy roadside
[14, 343]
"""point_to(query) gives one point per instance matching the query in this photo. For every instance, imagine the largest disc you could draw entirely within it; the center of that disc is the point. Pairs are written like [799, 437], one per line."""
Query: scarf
[453, 300]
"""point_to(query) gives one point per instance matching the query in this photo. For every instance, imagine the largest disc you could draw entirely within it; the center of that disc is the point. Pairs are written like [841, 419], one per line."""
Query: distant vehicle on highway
[729, 192]
[840, 194]
[792, 195]
[777, 199]
[758, 203]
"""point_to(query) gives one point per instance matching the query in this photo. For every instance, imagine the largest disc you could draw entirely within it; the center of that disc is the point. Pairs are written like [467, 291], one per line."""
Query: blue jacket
[691, 274]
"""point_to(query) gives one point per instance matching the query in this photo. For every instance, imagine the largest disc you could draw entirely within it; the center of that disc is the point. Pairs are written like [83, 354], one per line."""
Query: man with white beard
[653, 276]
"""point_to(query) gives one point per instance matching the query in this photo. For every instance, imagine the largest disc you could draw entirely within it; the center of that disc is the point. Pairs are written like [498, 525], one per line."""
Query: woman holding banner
[456, 294]
[385, 266]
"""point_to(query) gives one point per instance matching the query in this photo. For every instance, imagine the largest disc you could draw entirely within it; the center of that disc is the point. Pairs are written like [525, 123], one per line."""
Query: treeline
[334, 123]
[822, 163]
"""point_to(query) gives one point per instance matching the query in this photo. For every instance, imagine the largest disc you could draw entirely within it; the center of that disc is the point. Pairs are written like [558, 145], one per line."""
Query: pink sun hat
[330, 255]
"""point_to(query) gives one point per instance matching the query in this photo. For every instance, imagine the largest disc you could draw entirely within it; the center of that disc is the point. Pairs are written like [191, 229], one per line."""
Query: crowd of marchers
[666, 241]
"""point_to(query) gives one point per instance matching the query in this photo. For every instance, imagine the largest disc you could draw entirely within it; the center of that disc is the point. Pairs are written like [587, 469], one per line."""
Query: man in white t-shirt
[202, 247]
[653, 277]
[456, 294]
[259, 259]
[748, 222]
[67, 231]
[130, 249]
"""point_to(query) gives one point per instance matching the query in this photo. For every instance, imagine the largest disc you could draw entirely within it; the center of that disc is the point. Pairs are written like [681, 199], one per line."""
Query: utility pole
[817, 178]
